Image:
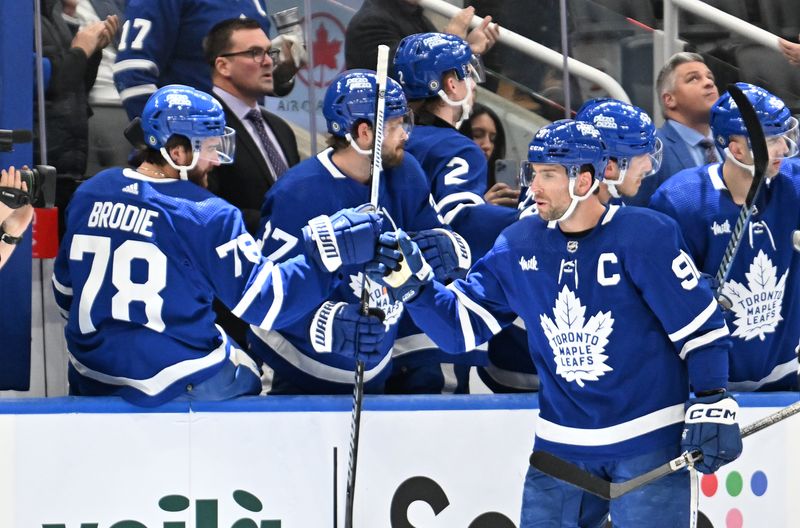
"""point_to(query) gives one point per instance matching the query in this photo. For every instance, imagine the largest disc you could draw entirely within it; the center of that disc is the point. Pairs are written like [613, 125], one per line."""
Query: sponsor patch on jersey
[529, 264]
[721, 229]
[578, 345]
[757, 304]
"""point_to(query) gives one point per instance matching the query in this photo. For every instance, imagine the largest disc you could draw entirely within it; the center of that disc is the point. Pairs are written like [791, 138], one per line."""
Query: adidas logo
[132, 188]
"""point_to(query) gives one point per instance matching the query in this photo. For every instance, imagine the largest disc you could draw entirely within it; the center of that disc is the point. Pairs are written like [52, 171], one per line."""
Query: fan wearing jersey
[634, 150]
[619, 325]
[299, 356]
[147, 250]
[763, 288]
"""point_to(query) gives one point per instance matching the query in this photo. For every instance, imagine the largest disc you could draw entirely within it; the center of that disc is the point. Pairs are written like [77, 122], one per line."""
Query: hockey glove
[711, 428]
[447, 253]
[340, 328]
[344, 238]
[400, 265]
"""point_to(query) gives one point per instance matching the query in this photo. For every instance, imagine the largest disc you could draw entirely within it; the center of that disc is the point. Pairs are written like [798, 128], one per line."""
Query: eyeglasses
[257, 54]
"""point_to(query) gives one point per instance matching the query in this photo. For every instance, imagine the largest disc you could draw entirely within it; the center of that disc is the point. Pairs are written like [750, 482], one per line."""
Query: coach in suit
[687, 92]
[241, 71]
[238, 51]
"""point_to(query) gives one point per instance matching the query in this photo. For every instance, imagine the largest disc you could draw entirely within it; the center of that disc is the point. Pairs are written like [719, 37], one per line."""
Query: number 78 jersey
[136, 274]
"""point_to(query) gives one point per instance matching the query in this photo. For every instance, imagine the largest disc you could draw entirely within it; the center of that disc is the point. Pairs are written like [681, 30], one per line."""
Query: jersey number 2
[128, 291]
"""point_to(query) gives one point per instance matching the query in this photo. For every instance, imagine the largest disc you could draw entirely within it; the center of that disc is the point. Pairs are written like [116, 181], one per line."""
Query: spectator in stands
[486, 130]
[388, 21]
[74, 55]
[686, 92]
[162, 44]
[790, 50]
[107, 145]
[241, 70]
[13, 222]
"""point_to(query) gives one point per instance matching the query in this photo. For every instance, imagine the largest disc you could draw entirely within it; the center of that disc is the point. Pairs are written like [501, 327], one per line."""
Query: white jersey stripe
[477, 309]
[64, 290]
[277, 299]
[254, 289]
[642, 425]
[136, 91]
[704, 339]
[777, 373]
[698, 321]
[135, 64]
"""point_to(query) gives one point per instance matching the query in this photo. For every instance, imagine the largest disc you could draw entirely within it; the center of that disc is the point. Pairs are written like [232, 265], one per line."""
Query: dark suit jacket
[675, 158]
[245, 182]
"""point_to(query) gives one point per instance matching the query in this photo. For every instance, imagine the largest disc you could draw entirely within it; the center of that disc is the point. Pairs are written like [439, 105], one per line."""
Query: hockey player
[147, 250]
[299, 355]
[439, 73]
[634, 150]
[762, 288]
[618, 325]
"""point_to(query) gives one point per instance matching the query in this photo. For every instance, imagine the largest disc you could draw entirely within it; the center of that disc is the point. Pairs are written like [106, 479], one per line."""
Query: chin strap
[182, 169]
[465, 103]
[355, 146]
[576, 199]
[749, 168]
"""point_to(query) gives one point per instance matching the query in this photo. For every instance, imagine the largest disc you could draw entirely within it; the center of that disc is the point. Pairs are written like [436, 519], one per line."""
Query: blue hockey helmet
[569, 143]
[422, 59]
[351, 97]
[627, 130]
[181, 110]
[774, 116]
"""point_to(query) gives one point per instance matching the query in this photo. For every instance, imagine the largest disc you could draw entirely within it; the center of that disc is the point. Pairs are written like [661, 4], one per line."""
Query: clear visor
[476, 69]
[406, 122]
[784, 145]
[217, 149]
[527, 173]
[655, 157]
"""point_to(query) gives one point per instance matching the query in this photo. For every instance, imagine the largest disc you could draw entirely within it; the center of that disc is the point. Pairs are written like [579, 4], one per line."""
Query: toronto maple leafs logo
[578, 345]
[378, 298]
[757, 304]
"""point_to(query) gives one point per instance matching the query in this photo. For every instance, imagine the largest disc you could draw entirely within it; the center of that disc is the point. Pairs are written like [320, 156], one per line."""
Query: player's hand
[342, 329]
[344, 238]
[446, 252]
[502, 194]
[399, 264]
[711, 427]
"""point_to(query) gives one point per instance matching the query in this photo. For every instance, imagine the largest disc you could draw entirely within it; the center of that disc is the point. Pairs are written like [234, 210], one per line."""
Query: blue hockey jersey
[314, 187]
[138, 268]
[763, 284]
[618, 324]
[162, 43]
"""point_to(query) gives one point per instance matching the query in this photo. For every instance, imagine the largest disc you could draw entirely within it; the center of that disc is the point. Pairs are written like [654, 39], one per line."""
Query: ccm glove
[346, 237]
[711, 428]
[342, 329]
[445, 251]
[399, 264]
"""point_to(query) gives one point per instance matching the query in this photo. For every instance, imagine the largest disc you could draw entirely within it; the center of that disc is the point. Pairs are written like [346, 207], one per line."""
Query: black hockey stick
[758, 144]
[375, 174]
[574, 475]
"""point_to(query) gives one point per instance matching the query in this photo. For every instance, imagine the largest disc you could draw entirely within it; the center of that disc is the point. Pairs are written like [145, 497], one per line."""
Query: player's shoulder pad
[632, 222]
[408, 175]
[683, 187]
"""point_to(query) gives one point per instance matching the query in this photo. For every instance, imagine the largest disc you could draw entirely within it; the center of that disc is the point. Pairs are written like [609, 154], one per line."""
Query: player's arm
[61, 281]
[458, 317]
[146, 45]
[273, 295]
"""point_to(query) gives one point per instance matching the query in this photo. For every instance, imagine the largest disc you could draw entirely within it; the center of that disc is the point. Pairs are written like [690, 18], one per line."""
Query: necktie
[274, 157]
[709, 153]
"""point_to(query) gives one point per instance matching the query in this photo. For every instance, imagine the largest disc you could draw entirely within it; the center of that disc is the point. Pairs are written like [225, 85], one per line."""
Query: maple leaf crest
[325, 51]
[378, 298]
[578, 345]
[757, 305]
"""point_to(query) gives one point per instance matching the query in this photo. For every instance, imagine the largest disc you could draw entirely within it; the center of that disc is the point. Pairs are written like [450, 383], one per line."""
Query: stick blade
[758, 142]
[571, 474]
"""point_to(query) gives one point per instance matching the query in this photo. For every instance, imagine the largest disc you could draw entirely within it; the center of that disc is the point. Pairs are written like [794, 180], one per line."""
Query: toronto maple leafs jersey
[161, 43]
[618, 324]
[457, 175]
[138, 268]
[312, 188]
[763, 285]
